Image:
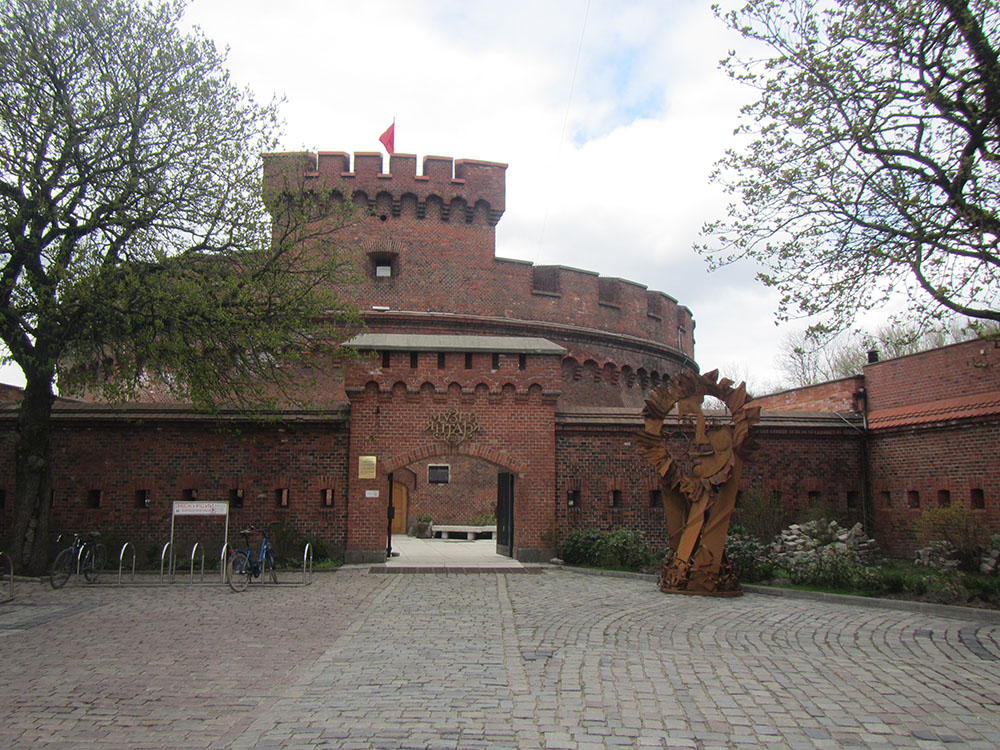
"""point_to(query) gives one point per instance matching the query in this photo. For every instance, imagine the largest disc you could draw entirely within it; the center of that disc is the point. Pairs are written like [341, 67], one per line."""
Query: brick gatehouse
[481, 378]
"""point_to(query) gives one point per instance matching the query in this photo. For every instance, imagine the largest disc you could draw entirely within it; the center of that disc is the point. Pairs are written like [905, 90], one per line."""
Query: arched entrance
[456, 490]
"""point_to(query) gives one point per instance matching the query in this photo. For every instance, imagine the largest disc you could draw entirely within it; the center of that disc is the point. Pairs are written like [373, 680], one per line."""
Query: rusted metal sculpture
[699, 505]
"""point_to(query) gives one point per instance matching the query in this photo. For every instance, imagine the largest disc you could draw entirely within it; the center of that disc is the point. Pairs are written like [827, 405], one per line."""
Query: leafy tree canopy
[871, 164]
[135, 243]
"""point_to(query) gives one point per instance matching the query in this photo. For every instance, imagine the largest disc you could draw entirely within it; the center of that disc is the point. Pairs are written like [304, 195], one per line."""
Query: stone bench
[446, 531]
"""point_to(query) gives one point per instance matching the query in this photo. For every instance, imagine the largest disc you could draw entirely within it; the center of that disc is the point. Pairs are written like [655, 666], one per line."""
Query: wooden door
[400, 504]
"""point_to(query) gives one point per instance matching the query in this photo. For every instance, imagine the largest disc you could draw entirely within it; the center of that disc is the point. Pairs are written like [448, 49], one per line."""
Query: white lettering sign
[189, 508]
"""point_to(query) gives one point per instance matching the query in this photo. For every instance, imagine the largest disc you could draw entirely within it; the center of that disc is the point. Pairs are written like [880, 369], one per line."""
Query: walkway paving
[442, 660]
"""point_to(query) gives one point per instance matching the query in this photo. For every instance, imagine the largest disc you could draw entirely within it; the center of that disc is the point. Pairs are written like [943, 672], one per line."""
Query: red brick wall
[956, 457]
[596, 459]
[390, 413]
[471, 491]
[957, 370]
[835, 395]
[119, 457]
[440, 231]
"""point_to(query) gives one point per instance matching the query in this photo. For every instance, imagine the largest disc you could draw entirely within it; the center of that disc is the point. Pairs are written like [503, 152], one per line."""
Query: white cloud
[610, 115]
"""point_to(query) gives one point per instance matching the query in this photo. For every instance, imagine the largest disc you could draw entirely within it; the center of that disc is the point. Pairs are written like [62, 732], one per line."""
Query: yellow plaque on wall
[366, 467]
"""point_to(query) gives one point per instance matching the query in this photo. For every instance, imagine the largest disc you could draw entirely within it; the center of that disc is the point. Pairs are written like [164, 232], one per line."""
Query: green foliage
[621, 548]
[483, 519]
[828, 566]
[750, 557]
[137, 251]
[958, 526]
[869, 167]
[760, 514]
[289, 545]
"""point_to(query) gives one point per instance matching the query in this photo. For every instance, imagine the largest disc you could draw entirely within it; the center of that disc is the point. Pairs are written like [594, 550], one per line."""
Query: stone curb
[936, 610]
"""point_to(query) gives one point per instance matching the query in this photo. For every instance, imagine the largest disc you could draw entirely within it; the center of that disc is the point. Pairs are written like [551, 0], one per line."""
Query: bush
[483, 519]
[956, 525]
[829, 566]
[760, 514]
[289, 544]
[621, 548]
[750, 557]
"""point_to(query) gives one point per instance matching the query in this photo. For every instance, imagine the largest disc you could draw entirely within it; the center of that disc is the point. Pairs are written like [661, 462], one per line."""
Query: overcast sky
[609, 113]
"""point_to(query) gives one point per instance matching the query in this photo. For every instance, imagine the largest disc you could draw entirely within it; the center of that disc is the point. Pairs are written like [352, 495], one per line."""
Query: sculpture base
[737, 592]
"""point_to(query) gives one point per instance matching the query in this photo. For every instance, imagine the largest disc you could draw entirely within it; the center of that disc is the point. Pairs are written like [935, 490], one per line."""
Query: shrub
[750, 557]
[289, 545]
[829, 566]
[957, 526]
[760, 514]
[483, 519]
[621, 548]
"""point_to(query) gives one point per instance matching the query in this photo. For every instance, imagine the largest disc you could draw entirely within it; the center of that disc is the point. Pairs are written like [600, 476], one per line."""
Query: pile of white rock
[802, 540]
[939, 554]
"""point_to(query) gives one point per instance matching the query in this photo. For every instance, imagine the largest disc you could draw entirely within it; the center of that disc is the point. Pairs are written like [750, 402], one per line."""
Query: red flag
[388, 138]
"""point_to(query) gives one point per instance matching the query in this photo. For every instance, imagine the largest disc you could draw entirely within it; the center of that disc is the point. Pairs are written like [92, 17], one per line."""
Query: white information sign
[371, 493]
[194, 508]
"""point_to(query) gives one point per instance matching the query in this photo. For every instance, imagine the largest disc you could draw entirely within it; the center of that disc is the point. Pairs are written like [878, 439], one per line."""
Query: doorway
[505, 514]
[400, 504]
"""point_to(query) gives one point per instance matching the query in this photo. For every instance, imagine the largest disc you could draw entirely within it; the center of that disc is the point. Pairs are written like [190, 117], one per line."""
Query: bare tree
[136, 242]
[871, 164]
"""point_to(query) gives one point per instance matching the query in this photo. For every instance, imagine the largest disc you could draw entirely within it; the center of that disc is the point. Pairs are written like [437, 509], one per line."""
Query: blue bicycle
[241, 566]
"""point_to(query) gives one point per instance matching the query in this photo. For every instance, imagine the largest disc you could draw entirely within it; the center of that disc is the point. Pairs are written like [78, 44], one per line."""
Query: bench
[445, 531]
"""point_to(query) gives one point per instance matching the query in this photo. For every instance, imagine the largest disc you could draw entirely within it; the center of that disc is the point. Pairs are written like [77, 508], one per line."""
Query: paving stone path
[477, 660]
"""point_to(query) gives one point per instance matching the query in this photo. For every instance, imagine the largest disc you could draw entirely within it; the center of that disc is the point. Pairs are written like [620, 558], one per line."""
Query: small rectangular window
[468, 361]
[236, 498]
[189, 494]
[438, 474]
[93, 499]
[142, 499]
[522, 361]
[573, 499]
[496, 361]
[441, 360]
[977, 499]
[655, 499]
[383, 271]
[944, 498]
[3, 498]
[281, 497]
[327, 497]
[913, 498]
[386, 360]
[414, 360]
[616, 498]
[886, 498]
[852, 499]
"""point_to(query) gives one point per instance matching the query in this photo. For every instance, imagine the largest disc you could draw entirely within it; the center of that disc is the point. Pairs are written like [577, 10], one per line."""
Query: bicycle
[85, 555]
[241, 566]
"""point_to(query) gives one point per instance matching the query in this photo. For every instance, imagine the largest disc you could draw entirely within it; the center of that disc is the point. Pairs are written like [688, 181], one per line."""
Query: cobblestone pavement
[498, 660]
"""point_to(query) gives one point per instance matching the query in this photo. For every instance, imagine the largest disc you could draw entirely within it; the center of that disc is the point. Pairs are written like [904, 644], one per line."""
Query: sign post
[196, 508]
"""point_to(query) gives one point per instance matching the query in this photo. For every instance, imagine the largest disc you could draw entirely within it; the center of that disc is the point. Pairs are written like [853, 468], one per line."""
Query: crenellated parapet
[456, 188]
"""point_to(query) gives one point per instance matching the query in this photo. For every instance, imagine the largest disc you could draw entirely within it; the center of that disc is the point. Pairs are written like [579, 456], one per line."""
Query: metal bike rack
[163, 557]
[79, 560]
[121, 560]
[307, 563]
[194, 551]
[222, 561]
[8, 564]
